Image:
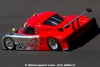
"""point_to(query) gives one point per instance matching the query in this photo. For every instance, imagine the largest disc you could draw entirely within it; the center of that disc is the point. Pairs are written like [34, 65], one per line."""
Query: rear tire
[53, 44]
[9, 43]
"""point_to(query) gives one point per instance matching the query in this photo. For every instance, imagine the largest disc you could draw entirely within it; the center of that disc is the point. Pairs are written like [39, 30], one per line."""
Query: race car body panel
[49, 31]
[23, 42]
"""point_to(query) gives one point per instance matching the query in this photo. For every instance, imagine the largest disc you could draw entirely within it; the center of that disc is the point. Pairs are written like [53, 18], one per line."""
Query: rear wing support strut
[87, 10]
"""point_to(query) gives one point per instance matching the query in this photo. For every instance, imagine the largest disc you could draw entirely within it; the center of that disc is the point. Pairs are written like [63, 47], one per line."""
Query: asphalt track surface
[13, 13]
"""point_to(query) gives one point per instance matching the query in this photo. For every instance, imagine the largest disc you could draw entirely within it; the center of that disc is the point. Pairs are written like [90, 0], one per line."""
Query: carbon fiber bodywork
[22, 41]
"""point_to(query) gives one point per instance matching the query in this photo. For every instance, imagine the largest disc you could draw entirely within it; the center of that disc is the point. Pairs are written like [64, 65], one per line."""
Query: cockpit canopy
[53, 20]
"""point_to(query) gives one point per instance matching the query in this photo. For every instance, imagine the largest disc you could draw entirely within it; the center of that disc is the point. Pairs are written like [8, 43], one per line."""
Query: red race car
[48, 31]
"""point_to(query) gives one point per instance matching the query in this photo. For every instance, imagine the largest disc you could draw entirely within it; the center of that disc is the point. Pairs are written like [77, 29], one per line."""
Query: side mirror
[60, 29]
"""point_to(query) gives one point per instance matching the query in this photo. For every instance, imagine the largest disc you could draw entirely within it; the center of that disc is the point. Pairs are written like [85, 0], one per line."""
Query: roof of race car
[39, 18]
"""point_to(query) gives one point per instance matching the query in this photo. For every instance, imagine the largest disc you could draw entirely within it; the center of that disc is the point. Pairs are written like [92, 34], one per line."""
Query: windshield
[53, 20]
[28, 30]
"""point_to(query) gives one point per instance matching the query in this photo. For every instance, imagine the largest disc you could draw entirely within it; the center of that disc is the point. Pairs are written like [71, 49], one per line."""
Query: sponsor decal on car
[34, 43]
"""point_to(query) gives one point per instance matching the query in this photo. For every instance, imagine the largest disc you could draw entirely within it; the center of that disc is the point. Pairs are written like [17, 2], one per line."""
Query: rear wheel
[53, 44]
[9, 43]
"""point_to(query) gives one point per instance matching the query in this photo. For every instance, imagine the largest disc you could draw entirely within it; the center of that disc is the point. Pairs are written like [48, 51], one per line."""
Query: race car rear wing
[87, 10]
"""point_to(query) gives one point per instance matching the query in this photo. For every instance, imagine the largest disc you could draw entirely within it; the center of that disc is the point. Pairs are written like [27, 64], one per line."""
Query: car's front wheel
[9, 43]
[53, 44]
